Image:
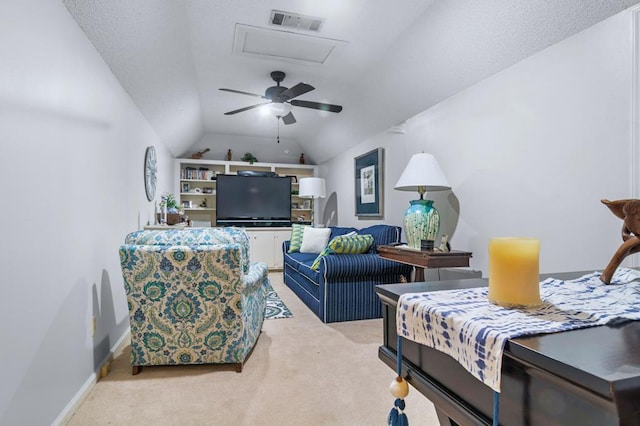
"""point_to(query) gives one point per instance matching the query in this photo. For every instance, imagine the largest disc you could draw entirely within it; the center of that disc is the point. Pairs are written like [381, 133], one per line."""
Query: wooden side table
[425, 259]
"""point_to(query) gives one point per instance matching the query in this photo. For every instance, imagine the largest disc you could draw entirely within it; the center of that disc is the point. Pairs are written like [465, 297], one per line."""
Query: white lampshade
[313, 187]
[423, 173]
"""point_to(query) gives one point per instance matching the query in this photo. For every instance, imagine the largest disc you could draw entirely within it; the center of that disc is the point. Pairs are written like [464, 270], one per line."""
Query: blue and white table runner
[465, 325]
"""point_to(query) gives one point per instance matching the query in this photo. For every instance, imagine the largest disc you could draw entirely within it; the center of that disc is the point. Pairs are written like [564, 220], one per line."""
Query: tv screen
[253, 200]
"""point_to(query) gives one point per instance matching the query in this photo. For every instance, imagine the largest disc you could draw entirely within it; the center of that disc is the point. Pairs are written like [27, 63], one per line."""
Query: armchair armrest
[254, 278]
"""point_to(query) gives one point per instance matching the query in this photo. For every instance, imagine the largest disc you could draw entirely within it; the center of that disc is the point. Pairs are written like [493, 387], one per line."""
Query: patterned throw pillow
[351, 244]
[297, 231]
[345, 244]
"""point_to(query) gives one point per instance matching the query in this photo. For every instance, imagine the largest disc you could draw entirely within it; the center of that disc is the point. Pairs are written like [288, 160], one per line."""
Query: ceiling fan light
[280, 109]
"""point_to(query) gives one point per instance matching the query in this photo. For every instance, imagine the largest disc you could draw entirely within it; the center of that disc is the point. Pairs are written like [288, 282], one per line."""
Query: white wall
[71, 165]
[529, 151]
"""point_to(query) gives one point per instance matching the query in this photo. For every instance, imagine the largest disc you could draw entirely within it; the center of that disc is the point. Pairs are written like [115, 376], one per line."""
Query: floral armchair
[193, 296]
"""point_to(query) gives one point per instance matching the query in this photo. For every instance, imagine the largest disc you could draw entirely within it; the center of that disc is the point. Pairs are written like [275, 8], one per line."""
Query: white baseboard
[89, 384]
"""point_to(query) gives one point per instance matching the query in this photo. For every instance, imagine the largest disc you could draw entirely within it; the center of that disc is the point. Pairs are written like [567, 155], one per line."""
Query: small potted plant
[249, 157]
[171, 210]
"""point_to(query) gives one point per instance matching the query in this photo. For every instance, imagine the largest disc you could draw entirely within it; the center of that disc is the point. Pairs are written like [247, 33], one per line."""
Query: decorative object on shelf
[185, 187]
[629, 212]
[421, 219]
[301, 160]
[203, 203]
[229, 155]
[150, 172]
[312, 187]
[198, 155]
[514, 272]
[249, 158]
[369, 176]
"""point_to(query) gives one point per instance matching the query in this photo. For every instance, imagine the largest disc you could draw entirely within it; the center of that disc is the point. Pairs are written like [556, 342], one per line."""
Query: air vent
[295, 21]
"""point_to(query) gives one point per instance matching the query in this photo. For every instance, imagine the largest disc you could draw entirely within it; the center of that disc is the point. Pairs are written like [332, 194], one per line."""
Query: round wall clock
[150, 170]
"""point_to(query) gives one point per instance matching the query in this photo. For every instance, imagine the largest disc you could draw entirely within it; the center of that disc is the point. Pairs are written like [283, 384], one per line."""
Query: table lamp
[421, 219]
[312, 187]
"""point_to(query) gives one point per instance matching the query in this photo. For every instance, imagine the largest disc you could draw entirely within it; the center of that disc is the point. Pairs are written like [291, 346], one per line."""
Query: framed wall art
[369, 177]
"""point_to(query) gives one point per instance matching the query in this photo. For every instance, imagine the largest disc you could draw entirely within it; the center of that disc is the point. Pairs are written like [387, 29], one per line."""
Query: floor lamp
[312, 187]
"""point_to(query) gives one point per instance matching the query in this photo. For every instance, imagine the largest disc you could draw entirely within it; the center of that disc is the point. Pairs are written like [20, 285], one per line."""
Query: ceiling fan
[281, 99]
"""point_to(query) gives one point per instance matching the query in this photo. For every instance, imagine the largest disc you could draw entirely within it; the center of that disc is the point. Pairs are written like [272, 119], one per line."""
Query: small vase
[421, 222]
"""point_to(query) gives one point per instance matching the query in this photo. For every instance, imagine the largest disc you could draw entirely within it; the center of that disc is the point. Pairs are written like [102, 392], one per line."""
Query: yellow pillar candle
[514, 270]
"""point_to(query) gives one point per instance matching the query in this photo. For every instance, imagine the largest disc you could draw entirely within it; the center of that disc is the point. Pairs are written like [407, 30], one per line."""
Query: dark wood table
[421, 259]
[589, 376]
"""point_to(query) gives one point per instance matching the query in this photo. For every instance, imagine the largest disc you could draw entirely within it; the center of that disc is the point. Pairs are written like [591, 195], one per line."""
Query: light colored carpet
[301, 372]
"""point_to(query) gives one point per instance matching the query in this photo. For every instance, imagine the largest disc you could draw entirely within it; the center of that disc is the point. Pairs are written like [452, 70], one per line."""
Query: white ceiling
[399, 59]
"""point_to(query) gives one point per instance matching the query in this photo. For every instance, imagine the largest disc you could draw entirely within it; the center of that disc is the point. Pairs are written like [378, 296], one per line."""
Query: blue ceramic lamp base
[421, 222]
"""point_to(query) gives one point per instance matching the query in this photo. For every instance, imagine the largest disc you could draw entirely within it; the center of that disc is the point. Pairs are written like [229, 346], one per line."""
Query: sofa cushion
[296, 259]
[297, 231]
[314, 240]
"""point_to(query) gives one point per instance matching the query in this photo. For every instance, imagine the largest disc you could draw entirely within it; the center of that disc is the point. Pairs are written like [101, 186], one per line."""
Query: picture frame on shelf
[306, 204]
[295, 206]
[187, 204]
[185, 187]
[368, 179]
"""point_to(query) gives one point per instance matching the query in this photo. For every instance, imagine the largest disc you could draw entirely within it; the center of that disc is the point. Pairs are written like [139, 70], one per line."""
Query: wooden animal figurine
[198, 155]
[629, 212]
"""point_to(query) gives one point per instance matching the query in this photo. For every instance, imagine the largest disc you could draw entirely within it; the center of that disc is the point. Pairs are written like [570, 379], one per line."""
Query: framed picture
[185, 187]
[187, 204]
[369, 177]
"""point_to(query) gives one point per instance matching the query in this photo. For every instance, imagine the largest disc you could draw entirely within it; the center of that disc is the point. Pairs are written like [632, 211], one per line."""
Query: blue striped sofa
[343, 287]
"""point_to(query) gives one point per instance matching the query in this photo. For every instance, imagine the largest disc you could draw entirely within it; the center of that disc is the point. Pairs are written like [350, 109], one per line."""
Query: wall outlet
[94, 325]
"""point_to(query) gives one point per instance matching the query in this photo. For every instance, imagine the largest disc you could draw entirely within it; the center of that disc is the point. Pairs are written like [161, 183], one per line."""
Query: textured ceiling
[399, 59]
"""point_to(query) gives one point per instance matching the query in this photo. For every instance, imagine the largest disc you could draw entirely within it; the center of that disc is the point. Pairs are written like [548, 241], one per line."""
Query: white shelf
[231, 167]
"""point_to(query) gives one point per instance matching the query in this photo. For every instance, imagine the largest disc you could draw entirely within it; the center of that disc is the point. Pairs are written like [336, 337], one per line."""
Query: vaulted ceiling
[386, 60]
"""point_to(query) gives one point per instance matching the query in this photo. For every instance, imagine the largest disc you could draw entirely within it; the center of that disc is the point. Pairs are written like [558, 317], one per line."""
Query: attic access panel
[283, 45]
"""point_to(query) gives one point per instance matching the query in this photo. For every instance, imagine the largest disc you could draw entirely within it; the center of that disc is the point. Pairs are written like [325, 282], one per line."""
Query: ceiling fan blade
[235, 111]
[289, 118]
[295, 91]
[316, 105]
[242, 93]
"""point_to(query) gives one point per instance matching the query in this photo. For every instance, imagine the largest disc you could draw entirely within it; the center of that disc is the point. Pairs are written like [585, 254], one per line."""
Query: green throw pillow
[351, 244]
[345, 244]
[296, 237]
[316, 263]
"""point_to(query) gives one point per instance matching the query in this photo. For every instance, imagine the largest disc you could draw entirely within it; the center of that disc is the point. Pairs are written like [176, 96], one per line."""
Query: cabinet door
[262, 247]
[278, 238]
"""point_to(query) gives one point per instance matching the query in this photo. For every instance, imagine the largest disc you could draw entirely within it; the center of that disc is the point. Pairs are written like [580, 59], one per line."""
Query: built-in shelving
[196, 184]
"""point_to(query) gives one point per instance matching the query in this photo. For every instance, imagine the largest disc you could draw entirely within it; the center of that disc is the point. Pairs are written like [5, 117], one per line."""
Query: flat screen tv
[253, 200]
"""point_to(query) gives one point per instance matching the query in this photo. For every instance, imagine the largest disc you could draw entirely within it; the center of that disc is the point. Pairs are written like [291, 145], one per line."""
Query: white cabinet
[266, 245]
